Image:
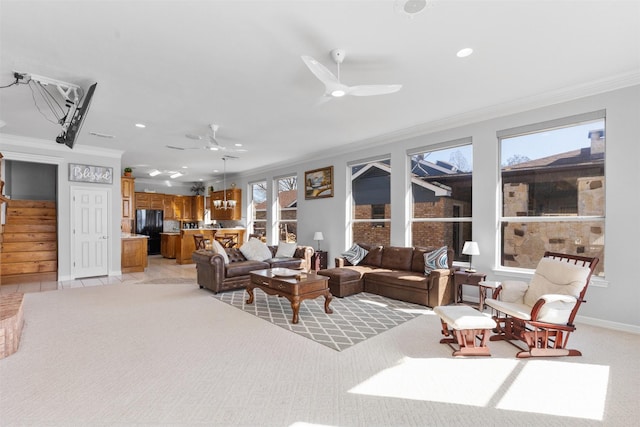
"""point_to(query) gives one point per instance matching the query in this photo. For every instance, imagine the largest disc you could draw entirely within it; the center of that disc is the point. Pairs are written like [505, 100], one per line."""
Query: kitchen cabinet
[168, 244]
[128, 198]
[156, 201]
[149, 201]
[235, 213]
[169, 207]
[143, 201]
[187, 209]
[134, 254]
[198, 208]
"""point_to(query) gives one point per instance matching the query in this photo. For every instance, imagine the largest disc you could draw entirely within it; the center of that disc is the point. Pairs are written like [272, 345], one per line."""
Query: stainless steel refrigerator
[149, 223]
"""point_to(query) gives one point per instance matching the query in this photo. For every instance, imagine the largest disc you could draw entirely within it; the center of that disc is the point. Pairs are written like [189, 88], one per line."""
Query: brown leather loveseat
[394, 272]
[217, 276]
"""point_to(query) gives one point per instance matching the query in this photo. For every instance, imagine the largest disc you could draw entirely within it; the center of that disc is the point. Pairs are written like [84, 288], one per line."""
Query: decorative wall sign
[88, 173]
[318, 183]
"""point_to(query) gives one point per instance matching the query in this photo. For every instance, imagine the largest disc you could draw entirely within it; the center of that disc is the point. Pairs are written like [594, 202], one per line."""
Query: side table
[460, 278]
[319, 260]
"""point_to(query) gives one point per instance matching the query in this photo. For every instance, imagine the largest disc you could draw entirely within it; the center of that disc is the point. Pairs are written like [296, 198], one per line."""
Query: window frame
[461, 220]
[502, 220]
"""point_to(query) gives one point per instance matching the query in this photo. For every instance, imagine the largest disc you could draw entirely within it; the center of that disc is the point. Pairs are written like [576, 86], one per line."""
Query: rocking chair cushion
[513, 309]
[513, 291]
[556, 277]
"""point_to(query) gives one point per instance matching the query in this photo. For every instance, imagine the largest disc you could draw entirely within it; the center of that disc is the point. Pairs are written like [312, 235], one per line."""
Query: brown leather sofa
[394, 272]
[217, 276]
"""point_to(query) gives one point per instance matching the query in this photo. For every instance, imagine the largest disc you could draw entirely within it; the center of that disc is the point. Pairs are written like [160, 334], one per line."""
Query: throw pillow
[286, 250]
[217, 248]
[255, 250]
[436, 259]
[355, 254]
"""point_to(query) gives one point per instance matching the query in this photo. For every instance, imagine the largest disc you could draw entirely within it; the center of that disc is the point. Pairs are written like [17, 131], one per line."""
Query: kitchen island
[186, 244]
[134, 253]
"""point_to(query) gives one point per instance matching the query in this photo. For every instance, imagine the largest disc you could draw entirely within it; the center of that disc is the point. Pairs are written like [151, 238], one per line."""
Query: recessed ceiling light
[185, 167]
[463, 53]
[238, 145]
[201, 179]
[140, 125]
[155, 172]
[338, 93]
[175, 175]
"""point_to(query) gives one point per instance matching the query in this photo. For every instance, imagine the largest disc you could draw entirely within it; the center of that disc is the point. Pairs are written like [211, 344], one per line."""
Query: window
[371, 202]
[553, 190]
[441, 196]
[287, 208]
[258, 220]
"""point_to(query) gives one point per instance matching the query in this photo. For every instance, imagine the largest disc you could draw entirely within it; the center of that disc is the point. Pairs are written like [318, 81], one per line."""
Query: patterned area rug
[355, 318]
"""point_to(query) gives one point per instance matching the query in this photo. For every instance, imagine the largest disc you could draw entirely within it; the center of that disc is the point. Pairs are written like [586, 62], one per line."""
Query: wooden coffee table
[294, 289]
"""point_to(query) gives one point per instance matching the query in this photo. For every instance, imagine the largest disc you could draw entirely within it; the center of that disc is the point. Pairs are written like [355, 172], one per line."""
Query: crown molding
[43, 144]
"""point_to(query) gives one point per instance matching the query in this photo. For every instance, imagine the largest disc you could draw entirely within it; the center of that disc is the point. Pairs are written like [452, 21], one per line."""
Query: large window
[441, 202]
[553, 190]
[258, 218]
[371, 208]
[287, 208]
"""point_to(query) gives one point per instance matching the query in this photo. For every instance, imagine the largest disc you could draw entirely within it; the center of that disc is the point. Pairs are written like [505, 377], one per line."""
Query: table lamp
[470, 248]
[317, 236]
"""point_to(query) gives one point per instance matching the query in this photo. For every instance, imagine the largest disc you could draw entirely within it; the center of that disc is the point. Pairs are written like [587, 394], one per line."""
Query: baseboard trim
[624, 327]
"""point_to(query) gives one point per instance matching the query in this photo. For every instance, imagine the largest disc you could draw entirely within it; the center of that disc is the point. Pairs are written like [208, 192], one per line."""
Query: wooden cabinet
[134, 254]
[189, 208]
[198, 208]
[234, 214]
[168, 244]
[143, 201]
[156, 201]
[169, 207]
[128, 198]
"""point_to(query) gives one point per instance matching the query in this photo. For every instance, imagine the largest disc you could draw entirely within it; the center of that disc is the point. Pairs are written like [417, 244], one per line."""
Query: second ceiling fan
[335, 88]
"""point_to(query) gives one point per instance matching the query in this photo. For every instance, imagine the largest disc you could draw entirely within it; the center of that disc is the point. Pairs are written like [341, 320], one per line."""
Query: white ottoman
[464, 325]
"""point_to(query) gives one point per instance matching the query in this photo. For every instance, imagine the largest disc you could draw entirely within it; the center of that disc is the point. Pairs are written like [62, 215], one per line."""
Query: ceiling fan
[212, 142]
[336, 89]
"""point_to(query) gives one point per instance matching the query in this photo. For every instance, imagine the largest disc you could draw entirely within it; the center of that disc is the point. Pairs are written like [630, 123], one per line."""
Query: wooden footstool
[463, 325]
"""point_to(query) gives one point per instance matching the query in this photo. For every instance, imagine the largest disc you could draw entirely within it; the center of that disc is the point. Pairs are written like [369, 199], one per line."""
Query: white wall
[613, 302]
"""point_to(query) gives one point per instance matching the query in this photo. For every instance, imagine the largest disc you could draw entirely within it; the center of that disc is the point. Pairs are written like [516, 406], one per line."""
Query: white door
[90, 225]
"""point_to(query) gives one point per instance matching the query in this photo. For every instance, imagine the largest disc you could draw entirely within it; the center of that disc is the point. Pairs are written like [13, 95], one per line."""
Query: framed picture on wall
[318, 183]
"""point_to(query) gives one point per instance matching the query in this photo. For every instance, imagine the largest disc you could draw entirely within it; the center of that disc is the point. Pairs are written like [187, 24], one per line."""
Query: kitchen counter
[134, 236]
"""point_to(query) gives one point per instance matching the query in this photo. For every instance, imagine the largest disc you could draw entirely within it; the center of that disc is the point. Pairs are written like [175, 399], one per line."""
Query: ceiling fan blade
[321, 72]
[369, 90]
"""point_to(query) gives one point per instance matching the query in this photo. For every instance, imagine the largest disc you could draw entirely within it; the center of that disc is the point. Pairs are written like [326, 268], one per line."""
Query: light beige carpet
[173, 355]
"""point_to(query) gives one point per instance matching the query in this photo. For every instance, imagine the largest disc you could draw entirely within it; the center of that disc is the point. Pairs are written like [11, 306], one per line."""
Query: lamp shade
[471, 248]
[318, 235]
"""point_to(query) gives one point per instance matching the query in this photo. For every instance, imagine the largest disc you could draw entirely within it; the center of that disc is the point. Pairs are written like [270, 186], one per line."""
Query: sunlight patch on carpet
[354, 319]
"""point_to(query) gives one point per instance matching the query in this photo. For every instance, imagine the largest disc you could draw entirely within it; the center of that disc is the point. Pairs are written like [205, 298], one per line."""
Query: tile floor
[159, 267]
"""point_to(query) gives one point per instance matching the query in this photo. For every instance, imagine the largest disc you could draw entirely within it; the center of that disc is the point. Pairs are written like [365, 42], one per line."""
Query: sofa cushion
[355, 254]
[217, 248]
[397, 258]
[435, 260]
[235, 269]
[255, 250]
[374, 257]
[398, 278]
[286, 250]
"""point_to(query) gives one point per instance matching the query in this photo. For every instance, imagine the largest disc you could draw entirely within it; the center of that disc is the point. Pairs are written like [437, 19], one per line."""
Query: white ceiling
[178, 66]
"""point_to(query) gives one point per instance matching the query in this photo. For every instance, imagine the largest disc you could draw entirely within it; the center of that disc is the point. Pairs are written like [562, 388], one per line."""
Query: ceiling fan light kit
[333, 86]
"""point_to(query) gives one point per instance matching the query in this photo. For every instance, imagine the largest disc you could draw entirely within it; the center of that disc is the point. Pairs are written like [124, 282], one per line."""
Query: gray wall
[30, 181]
